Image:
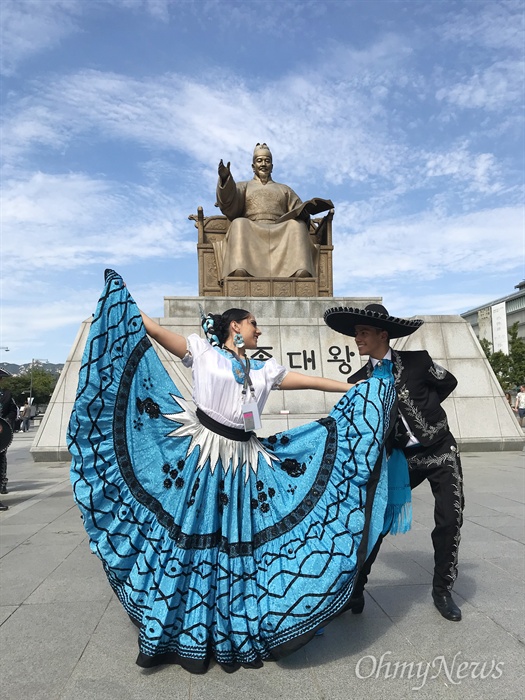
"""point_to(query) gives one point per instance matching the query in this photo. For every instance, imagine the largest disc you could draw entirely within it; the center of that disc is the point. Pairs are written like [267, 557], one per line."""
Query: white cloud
[65, 306]
[426, 248]
[340, 101]
[480, 172]
[31, 26]
[486, 24]
[494, 88]
[65, 222]
[158, 9]
[343, 136]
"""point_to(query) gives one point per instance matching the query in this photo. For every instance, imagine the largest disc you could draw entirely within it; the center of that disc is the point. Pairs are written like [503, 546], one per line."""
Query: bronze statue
[268, 235]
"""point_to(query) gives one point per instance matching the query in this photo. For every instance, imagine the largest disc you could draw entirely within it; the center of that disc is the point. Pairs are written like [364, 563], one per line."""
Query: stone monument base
[267, 287]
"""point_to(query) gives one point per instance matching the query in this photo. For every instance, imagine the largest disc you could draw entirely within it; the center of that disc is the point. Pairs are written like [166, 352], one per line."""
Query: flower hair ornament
[208, 326]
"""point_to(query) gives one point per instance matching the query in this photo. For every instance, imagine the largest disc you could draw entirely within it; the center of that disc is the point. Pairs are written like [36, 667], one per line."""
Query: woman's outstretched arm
[296, 380]
[173, 342]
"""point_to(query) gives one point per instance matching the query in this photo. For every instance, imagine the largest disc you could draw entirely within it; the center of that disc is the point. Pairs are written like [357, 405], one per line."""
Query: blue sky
[409, 115]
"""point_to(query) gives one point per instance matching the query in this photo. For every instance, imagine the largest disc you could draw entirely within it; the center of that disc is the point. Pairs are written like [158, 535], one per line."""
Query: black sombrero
[344, 319]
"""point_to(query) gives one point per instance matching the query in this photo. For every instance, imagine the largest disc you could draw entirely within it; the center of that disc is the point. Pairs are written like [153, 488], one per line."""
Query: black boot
[357, 604]
[446, 606]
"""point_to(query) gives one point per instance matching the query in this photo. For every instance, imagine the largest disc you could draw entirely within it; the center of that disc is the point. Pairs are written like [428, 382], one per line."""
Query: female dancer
[217, 543]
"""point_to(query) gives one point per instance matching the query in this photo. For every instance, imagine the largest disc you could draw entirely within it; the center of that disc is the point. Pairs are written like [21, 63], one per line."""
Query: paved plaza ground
[64, 636]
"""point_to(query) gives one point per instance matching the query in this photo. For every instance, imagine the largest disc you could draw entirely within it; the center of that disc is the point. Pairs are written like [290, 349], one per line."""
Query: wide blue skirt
[215, 548]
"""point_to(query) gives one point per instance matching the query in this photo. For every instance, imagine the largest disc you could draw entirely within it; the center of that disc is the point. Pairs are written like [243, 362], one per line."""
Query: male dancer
[421, 431]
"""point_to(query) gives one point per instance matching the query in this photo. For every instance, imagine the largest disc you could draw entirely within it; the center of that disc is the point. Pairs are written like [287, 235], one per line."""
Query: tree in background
[41, 386]
[509, 369]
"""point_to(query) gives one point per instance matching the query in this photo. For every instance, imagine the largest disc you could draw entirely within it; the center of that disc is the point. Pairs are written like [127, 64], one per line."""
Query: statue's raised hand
[224, 171]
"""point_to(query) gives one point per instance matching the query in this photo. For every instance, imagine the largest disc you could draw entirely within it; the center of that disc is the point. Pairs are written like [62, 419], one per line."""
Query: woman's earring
[238, 340]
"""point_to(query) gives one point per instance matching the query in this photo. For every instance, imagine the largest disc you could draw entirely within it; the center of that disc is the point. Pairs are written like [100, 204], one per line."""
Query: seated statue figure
[265, 239]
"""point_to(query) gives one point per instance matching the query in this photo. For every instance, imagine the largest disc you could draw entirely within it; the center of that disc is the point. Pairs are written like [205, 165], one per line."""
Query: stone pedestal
[295, 334]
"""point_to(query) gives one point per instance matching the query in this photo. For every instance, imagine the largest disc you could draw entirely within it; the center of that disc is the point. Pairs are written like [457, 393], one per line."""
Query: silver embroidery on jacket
[398, 368]
[413, 411]
[438, 371]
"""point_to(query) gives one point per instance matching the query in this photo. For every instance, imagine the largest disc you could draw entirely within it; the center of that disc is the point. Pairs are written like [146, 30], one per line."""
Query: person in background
[26, 416]
[519, 406]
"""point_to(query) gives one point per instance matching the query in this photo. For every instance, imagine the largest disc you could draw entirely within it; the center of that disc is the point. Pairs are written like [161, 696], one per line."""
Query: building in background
[492, 320]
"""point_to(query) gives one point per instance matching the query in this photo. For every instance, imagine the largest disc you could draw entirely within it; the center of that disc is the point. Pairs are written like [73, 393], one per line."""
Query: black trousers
[440, 465]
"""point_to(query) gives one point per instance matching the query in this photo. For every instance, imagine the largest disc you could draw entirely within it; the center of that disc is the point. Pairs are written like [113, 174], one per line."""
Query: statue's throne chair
[214, 228]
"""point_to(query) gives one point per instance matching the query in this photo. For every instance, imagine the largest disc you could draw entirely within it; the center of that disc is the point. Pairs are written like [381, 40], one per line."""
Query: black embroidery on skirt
[194, 490]
[222, 498]
[262, 497]
[211, 539]
[294, 469]
[269, 442]
[148, 406]
[174, 474]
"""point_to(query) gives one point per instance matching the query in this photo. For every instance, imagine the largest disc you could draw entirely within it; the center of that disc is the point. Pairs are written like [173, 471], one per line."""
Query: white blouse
[215, 389]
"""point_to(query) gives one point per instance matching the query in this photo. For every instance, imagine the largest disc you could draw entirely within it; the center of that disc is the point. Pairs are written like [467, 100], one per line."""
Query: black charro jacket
[421, 386]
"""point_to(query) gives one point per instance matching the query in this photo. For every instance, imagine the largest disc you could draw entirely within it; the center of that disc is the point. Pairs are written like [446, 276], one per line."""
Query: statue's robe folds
[255, 242]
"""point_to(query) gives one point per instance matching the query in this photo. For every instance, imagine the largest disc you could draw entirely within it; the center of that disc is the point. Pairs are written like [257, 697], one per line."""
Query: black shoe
[3, 507]
[447, 607]
[357, 604]
[3, 489]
